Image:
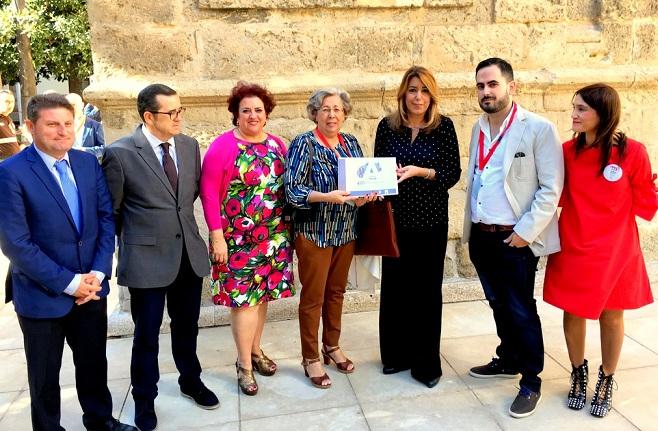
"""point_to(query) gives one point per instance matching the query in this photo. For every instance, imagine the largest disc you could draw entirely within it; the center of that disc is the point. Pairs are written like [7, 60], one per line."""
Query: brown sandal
[264, 365]
[342, 367]
[316, 381]
[246, 380]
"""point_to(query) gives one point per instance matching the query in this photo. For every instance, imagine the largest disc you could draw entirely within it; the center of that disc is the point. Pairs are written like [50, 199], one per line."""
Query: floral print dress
[259, 266]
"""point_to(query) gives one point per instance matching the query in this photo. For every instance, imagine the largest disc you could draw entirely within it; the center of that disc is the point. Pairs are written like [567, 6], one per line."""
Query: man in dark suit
[153, 176]
[58, 233]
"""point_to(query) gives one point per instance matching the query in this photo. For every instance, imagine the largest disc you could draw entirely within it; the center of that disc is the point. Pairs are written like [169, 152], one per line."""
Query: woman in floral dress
[250, 246]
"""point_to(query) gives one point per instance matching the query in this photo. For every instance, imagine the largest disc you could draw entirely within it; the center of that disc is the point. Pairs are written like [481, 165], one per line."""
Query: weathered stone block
[507, 11]
[627, 9]
[578, 10]
[149, 51]
[618, 41]
[165, 12]
[645, 49]
[454, 48]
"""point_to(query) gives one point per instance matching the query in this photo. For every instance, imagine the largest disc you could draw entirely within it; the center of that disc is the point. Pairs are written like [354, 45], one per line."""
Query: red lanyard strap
[482, 159]
[325, 142]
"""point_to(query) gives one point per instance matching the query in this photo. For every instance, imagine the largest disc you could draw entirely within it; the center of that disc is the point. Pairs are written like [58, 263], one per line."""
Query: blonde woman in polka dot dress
[425, 145]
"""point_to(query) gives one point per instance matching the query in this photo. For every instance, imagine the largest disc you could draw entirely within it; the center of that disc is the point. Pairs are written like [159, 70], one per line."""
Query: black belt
[494, 227]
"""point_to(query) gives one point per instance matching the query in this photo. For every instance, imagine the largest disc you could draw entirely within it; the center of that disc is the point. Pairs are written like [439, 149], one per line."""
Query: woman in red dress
[600, 271]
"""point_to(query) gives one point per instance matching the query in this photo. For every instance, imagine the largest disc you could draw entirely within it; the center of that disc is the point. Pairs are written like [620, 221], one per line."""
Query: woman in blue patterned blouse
[325, 229]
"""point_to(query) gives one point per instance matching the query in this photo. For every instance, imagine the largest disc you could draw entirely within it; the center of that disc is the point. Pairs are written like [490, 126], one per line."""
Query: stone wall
[202, 47]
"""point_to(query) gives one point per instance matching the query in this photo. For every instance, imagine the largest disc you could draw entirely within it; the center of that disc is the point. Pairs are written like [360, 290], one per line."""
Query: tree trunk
[25, 65]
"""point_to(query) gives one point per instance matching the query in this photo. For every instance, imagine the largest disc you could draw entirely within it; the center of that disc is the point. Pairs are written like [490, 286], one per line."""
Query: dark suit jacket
[38, 235]
[152, 221]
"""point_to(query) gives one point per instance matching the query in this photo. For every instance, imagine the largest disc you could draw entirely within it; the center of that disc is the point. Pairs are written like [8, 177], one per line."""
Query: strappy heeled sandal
[246, 380]
[342, 367]
[316, 381]
[264, 365]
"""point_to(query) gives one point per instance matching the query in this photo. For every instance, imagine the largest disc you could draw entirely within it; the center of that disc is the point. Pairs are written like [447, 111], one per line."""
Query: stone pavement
[366, 399]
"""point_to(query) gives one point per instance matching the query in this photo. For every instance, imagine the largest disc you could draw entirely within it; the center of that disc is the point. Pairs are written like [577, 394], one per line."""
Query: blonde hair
[432, 116]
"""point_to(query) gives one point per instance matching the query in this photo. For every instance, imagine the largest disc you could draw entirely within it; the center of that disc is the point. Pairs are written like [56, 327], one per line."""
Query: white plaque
[365, 175]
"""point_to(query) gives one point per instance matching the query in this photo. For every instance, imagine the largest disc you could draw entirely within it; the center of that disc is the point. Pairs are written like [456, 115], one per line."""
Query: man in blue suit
[58, 232]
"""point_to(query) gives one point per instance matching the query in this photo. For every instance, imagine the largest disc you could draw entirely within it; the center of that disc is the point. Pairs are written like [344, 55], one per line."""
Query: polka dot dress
[422, 204]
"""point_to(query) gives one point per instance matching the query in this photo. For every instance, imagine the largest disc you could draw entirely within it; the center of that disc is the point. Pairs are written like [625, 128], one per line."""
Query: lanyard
[325, 142]
[482, 159]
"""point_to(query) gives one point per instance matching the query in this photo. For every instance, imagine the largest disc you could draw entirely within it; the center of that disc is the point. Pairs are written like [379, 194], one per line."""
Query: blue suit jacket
[93, 138]
[38, 236]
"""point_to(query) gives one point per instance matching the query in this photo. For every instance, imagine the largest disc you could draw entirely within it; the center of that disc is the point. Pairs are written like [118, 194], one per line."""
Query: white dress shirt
[159, 151]
[489, 203]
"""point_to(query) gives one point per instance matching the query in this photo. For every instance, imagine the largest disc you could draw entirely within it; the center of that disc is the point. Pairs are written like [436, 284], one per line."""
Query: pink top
[217, 173]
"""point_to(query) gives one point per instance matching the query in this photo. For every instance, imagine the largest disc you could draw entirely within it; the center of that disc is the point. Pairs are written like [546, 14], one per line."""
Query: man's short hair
[146, 99]
[505, 68]
[46, 101]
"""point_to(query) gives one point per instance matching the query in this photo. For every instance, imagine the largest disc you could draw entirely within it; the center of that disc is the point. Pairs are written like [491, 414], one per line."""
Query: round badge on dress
[613, 172]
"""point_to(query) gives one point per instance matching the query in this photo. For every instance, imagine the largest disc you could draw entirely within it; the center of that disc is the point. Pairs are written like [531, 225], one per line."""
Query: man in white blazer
[515, 177]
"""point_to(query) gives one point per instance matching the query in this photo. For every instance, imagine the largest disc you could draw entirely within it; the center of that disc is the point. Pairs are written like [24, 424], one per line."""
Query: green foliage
[59, 35]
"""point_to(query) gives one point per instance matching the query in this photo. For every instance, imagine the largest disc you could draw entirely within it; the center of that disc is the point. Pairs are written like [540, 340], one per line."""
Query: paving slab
[329, 419]
[551, 414]
[17, 416]
[175, 412]
[289, 392]
[429, 412]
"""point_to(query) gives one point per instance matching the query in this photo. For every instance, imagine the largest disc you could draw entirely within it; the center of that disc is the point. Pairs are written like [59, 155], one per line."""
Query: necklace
[241, 136]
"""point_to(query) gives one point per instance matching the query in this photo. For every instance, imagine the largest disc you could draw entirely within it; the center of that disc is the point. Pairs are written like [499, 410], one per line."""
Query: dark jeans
[507, 275]
[85, 330]
[147, 306]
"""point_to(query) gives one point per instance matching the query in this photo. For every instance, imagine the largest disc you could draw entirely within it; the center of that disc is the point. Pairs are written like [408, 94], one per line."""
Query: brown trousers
[323, 274]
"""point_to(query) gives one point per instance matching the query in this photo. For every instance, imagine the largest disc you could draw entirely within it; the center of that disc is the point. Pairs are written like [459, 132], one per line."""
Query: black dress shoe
[145, 418]
[430, 382]
[394, 369]
[202, 396]
[113, 425]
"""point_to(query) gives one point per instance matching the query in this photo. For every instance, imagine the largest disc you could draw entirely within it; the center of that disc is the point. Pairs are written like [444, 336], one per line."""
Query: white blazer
[534, 176]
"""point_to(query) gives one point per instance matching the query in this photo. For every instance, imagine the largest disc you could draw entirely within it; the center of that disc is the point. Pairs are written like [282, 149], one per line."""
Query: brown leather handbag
[376, 230]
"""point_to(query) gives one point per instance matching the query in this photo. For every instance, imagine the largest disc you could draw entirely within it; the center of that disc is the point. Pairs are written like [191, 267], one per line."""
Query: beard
[496, 106]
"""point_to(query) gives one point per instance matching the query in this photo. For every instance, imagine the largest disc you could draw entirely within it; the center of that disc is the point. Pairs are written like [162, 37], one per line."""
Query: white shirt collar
[50, 160]
[484, 123]
[153, 141]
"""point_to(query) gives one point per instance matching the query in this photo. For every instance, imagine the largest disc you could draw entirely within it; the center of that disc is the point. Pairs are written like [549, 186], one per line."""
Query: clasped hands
[406, 172]
[88, 289]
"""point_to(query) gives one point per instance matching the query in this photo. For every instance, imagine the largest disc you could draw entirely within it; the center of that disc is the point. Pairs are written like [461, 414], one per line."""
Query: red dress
[601, 264]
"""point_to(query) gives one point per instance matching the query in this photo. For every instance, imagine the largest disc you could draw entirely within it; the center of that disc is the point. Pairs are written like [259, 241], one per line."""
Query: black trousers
[147, 307]
[507, 275]
[411, 303]
[85, 330]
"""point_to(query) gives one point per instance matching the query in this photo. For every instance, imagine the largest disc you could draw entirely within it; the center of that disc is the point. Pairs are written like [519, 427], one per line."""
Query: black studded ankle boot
[578, 392]
[602, 399]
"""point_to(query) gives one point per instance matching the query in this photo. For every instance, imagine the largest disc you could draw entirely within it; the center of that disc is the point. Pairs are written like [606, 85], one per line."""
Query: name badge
[613, 172]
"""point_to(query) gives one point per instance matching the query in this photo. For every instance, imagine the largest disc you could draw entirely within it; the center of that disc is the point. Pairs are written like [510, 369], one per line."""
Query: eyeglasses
[335, 110]
[173, 114]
